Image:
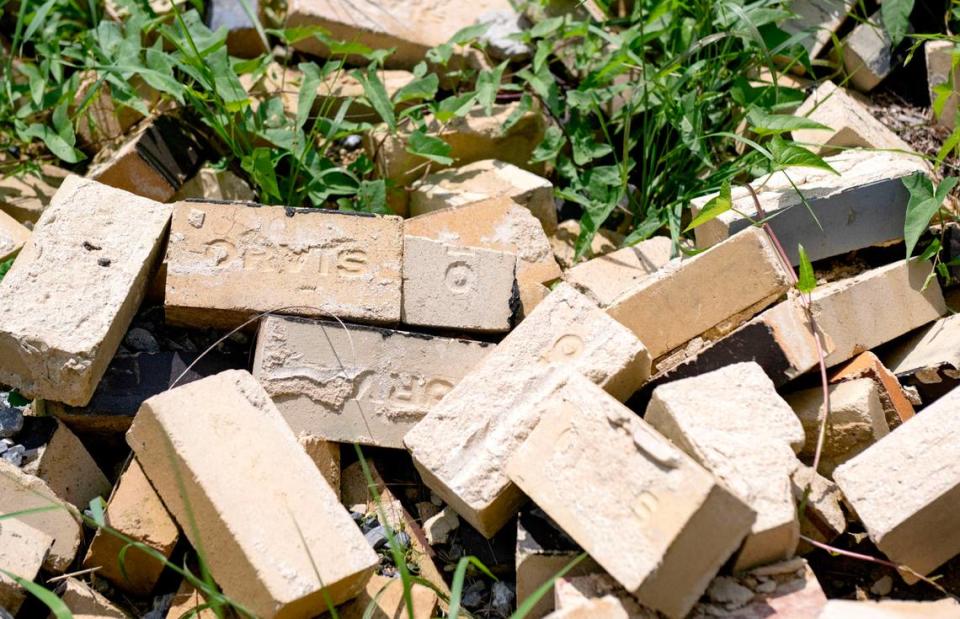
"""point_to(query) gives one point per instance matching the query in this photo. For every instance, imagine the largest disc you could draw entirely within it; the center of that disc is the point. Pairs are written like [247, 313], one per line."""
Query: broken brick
[386, 596]
[586, 589]
[13, 235]
[823, 519]
[929, 360]
[93, 238]
[22, 552]
[243, 40]
[68, 469]
[897, 408]
[564, 240]
[785, 590]
[24, 197]
[890, 609]
[224, 428]
[210, 184]
[84, 602]
[819, 18]
[606, 277]
[461, 446]
[326, 455]
[868, 54]
[943, 76]
[98, 118]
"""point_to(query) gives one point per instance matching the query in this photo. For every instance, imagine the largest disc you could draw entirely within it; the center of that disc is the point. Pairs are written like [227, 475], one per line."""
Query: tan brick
[449, 286]
[20, 491]
[386, 595]
[496, 224]
[210, 184]
[564, 241]
[939, 57]
[98, 118]
[59, 350]
[733, 422]
[22, 552]
[69, 470]
[868, 54]
[195, 441]
[672, 525]
[226, 262]
[85, 603]
[823, 519]
[326, 455]
[906, 487]
[819, 18]
[862, 312]
[474, 137]
[25, 196]
[851, 123]
[483, 180]
[897, 408]
[856, 421]
[536, 564]
[13, 235]
[243, 40]
[188, 600]
[350, 383]
[606, 277]
[136, 512]
[890, 609]
[930, 358]
[606, 607]
[573, 591]
[462, 445]
[684, 299]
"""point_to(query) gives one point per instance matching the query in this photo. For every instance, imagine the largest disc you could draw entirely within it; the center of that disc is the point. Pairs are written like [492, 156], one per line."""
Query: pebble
[141, 340]
[473, 594]
[438, 528]
[767, 586]
[727, 590]
[502, 596]
[376, 537]
[883, 586]
[14, 455]
[11, 421]
[352, 142]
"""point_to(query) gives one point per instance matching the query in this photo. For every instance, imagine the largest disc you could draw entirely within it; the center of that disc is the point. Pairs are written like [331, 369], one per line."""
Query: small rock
[402, 540]
[883, 586]
[767, 586]
[438, 528]
[376, 537]
[727, 590]
[473, 595]
[141, 340]
[14, 455]
[502, 596]
[435, 499]
[352, 142]
[11, 421]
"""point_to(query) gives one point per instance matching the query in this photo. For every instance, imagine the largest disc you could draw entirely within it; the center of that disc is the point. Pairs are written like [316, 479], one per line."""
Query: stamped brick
[229, 261]
[355, 384]
[54, 343]
[672, 526]
[22, 552]
[449, 286]
[194, 442]
[462, 445]
[606, 277]
[13, 236]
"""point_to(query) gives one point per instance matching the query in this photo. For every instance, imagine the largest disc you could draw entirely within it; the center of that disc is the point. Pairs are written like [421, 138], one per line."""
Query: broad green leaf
[720, 204]
[417, 90]
[429, 147]
[49, 599]
[763, 123]
[57, 145]
[896, 18]
[376, 93]
[488, 84]
[468, 34]
[546, 26]
[923, 205]
[308, 91]
[790, 155]
[259, 165]
[97, 511]
[455, 107]
[548, 149]
[372, 197]
[807, 280]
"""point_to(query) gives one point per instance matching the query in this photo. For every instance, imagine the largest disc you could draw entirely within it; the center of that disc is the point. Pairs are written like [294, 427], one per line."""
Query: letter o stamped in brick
[460, 277]
[564, 348]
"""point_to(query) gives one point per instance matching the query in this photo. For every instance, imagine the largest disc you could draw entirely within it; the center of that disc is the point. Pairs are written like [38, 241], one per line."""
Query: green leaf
[546, 27]
[57, 145]
[548, 149]
[791, 155]
[488, 84]
[807, 281]
[896, 18]
[429, 147]
[454, 107]
[763, 123]
[923, 205]
[308, 91]
[419, 89]
[372, 197]
[49, 599]
[38, 20]
[376, 93]
[720, 204]
[468, 34]
[259, 165]
[97, 511]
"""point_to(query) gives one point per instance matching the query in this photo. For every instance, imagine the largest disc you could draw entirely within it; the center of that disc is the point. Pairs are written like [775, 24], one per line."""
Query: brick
[154, 162]
[243, 41]
[25, 196]
[864, 205]
[786, 590]
[497, 224]
[210, 184]
[68, 469]
[474, 137]
[20, 491]
[851, 123]
[890, 609]
[84, 602]
[483, 180]
[606, 607]
[733, 422]
[131, 379]
[13, 236]
[823, 519]
[357, 384]
[22, 552]
[673, 525]
[386, 596]
[136, 512]
[229, 261]
[188, 600]
[929, 360]
[326, 455]
[99, 118]
[868, 54]
[820, 18]
[941, 74]
[897, 408]
[574, 591]
[462, 445]
[225, 428]
[906, 488]
[444, 283]
[606, 277]
[856, 421]
[686, 298]
[59, 351]
[410, 26]
[855, 314]
[564, 240]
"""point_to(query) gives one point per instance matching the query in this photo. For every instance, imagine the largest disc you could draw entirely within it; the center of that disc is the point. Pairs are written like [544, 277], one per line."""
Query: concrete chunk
[868, 54]
[820, 18]
[906, 488]
[22, 552]
[686, 298]
[497, 224]
[228, 261]
[861, 312]
[84, 602]
[20, 491]
[136, 512]
[13, 236]
[606, 277]
[941, 74]
[93, 238]
[929, 359]
[864, 205]
[357, 384]
[194, 442]
[897, 408]
[647, 525]
[483, 180]
[733, 422]
[851, 123]
[25, 196]
[462, 445]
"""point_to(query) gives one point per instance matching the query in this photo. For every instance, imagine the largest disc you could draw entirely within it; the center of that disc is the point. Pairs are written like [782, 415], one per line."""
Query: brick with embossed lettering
[229, 261]
[649, 514]
[356, 384]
